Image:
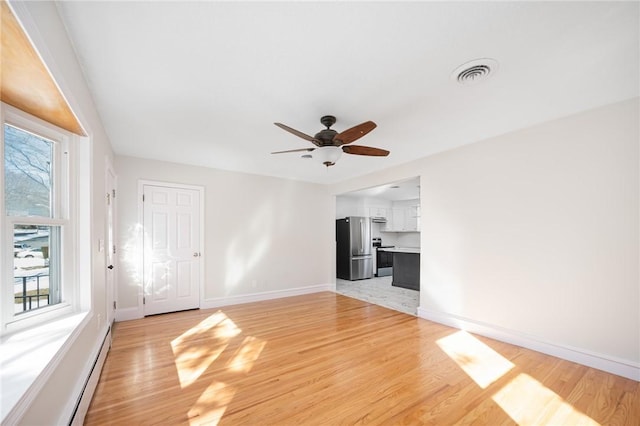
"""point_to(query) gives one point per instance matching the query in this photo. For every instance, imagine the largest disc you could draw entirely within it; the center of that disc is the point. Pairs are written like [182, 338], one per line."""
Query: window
[37, 196]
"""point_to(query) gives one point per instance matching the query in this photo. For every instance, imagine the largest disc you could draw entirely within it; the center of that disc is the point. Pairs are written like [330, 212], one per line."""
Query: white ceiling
[408, 189]
[203, 82]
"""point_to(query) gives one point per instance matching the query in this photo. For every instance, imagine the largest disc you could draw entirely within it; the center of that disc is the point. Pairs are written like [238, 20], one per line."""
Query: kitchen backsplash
[398, 239]
[408, 239]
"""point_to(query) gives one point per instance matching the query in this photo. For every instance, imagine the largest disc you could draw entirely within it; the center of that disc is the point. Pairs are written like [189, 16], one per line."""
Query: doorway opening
[392, 216]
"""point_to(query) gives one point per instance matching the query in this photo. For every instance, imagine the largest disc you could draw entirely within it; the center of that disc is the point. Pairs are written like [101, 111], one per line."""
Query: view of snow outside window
[28, 161]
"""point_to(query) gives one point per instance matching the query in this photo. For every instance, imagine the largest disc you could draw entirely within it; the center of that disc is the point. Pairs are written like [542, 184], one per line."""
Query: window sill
[32, 320]
[28, 357]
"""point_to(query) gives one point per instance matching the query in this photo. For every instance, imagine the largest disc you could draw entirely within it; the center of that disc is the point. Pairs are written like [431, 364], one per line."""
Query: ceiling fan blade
[365, 150]
[294, 150]
[299, 134]
[354, 133]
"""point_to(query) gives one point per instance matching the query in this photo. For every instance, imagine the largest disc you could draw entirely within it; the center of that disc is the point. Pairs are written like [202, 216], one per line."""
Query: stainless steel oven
[383, 260]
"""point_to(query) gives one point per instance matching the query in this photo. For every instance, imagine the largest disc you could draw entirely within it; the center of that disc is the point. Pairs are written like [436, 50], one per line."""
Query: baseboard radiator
[82, 405]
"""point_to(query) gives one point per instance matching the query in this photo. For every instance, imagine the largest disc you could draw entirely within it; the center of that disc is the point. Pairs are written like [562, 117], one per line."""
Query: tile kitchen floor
[380, 292]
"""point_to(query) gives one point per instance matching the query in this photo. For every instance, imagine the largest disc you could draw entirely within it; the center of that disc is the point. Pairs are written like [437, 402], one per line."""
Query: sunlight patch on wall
[195, 350]
[479, 361]
[131, 256]
[529, 402]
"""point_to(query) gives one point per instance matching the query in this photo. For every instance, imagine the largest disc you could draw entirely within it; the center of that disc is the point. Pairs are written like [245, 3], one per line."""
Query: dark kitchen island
[406, 267]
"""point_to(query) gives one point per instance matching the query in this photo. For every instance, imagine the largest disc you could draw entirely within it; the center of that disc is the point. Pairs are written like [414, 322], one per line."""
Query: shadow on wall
[267, 238]
[248, 247]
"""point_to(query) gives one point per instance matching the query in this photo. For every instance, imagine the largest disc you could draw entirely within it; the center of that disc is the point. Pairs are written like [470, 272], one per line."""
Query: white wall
[350, 206]
[263, 234]
[53, 403]
[536, 232]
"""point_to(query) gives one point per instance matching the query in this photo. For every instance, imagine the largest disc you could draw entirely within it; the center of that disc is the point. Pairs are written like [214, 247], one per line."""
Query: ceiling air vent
[475, 71]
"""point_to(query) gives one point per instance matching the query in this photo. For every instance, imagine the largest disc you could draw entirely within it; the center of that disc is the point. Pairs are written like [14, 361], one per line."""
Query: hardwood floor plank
[325, 358]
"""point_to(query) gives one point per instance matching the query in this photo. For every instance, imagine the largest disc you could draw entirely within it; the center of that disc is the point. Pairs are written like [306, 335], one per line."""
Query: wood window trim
[26, 83]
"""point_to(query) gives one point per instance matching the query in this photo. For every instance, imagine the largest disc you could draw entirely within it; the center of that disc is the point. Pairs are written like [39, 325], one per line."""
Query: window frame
[63, 206]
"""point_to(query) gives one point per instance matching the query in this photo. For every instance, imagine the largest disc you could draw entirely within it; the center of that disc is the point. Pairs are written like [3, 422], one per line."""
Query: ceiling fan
[331, 144]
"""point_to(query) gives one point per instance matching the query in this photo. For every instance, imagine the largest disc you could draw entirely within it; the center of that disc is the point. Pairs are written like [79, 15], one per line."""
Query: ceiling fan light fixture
[328, 155]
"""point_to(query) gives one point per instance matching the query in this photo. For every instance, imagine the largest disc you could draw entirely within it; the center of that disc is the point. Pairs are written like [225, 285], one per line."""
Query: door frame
[113, 297]
[140, 242]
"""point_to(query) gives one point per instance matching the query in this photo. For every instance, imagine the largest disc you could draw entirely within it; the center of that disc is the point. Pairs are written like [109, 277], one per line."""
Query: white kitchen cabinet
[378, 212]
[403, 219]
[398, 219]
[395, 220]
[412, 219]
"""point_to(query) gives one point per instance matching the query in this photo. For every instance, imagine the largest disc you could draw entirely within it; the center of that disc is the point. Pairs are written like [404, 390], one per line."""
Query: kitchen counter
[415, 250]
[406, 267]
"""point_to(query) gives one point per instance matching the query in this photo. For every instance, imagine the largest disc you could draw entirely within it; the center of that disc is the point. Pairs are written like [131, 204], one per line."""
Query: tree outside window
[29, 193]
[28, 177]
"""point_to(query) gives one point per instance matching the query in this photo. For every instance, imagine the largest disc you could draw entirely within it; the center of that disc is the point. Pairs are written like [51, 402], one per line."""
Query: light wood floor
[328, 359]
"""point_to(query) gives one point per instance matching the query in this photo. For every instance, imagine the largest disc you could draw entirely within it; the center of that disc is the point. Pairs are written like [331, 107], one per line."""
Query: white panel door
[172, 258]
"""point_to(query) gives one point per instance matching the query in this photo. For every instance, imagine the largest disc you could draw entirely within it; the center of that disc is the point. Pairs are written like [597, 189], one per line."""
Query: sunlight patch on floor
[479, 361]
[194, 350]
[529, 402]
[191, 363]
[247, 354]
[204, 325]
[197, 349]
[524, 399]
[211, 405]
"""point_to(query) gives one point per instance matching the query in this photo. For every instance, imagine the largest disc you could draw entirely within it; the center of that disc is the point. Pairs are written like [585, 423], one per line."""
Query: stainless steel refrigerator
[354, 260]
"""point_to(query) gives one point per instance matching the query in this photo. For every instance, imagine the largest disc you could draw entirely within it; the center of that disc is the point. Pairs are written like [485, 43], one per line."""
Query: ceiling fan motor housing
[326, 136]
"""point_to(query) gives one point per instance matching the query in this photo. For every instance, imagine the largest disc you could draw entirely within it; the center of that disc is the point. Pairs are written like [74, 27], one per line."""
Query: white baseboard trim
[265, 295]
[77, 409]
[610, 364]
[128, 314]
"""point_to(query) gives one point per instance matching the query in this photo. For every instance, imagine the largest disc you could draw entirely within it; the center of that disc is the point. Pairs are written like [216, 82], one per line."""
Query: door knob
[196, 254]
[110, 266]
